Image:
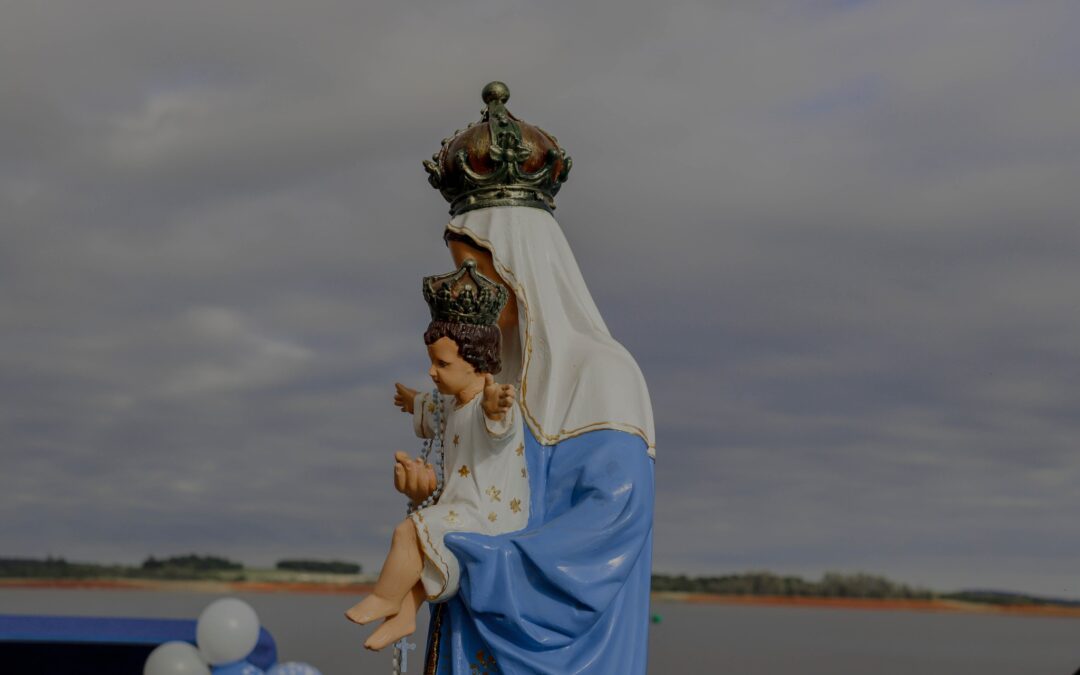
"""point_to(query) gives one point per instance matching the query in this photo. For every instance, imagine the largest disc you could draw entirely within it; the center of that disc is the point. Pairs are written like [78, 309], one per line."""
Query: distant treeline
[1007, 598]
[57, 568]
[330, 566]
[176, 567]
[832, 585]
[201, 563]
[835, 585]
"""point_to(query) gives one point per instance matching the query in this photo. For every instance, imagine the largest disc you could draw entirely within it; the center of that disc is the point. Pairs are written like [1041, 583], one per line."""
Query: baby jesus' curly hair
[479, 346]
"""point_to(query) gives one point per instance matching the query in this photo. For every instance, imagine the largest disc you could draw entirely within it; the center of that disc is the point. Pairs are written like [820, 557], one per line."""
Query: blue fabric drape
[569, 594]
[73, 644]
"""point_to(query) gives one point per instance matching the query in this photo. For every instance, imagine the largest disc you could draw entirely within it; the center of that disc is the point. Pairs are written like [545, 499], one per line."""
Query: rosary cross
[402, 648]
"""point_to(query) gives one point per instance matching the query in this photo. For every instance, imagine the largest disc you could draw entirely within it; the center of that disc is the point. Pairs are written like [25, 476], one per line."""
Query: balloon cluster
[226, 634]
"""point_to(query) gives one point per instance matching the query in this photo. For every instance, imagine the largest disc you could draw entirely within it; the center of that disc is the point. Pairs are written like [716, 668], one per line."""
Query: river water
[721, 639]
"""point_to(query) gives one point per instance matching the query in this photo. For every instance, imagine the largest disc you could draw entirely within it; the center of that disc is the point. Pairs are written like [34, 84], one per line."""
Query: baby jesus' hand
[413, 478]
[498, 398]
[404, 397]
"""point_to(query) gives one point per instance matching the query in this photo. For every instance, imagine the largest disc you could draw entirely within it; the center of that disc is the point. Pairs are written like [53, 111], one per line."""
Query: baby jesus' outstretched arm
[498, 399]
[403, 398]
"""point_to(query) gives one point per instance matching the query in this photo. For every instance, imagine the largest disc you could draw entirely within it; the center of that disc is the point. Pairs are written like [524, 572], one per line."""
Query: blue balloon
[293, 668]
[237, 668]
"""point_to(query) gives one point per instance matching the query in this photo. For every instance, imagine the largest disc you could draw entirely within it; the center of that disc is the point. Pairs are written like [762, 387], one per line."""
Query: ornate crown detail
[465, 296]
[498, 161]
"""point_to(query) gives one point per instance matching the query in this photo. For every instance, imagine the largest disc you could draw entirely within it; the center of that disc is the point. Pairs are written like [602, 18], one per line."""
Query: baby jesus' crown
[465, 296]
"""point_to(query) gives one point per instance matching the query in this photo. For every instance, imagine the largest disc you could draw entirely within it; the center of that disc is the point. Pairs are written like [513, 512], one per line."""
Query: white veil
[574, 377]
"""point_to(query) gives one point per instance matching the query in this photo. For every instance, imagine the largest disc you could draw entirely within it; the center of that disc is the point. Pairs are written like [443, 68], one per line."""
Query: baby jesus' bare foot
[399, 574]
[372, 607]
[399, 625]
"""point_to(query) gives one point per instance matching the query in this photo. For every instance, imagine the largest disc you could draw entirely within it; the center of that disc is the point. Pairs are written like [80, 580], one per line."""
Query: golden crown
[499, 161]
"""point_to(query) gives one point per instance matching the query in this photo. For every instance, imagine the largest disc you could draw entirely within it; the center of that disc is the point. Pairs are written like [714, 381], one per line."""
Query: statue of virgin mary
[569, 593]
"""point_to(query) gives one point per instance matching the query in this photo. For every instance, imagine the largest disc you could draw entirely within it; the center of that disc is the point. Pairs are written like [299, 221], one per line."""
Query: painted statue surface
[486, 487]
[479, 482]
[568, 593]
[560, 582]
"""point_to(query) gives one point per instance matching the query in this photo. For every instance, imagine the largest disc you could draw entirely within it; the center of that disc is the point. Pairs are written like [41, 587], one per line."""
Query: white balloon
[175, 658]
[228, 629]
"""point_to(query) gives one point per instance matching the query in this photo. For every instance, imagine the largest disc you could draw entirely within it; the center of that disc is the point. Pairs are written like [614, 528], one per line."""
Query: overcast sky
[842, 239]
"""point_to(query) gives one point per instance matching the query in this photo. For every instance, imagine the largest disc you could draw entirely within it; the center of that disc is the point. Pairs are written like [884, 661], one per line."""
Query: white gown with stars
[485, 484]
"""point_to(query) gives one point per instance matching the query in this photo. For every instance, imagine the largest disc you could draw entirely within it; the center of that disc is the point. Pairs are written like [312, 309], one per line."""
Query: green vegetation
[835, 585]
[832, 585]
[196, 563]
[1005, 599]
[189, 567]
[56, 568]
[177, 567]
[324, 566]
[215, 568]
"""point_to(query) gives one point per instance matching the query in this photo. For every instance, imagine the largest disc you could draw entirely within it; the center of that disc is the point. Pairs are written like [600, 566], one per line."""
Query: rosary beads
[429, 446]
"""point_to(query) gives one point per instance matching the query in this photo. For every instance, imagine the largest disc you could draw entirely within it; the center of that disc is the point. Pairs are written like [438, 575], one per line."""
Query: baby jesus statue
[481, 483]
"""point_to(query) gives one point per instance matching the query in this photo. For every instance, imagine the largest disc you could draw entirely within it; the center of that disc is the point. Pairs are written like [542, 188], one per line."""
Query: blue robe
[569, 594]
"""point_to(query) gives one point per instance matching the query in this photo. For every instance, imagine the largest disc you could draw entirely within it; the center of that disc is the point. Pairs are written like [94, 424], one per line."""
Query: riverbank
[351, 586]
[879, 604]
[195, 586]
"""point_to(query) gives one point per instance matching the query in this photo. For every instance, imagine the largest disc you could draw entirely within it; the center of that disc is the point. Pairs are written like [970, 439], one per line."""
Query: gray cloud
[849, 227]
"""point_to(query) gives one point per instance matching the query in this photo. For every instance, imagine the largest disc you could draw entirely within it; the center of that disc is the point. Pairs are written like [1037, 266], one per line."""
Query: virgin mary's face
[461, 252]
